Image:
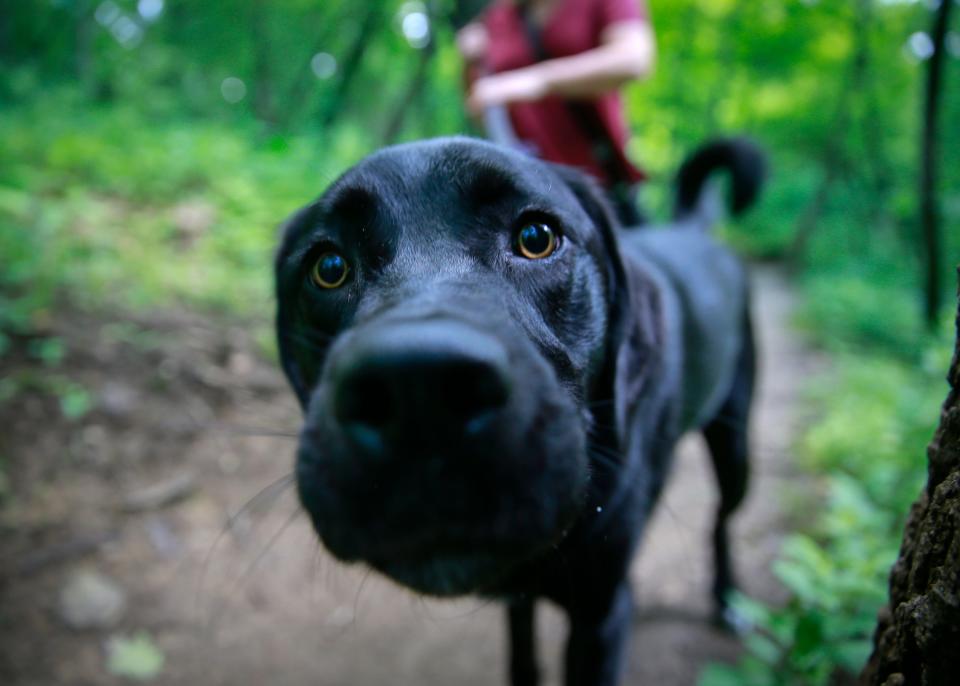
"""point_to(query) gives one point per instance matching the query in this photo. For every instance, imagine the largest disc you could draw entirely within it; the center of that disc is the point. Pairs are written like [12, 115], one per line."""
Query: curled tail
[698, 201]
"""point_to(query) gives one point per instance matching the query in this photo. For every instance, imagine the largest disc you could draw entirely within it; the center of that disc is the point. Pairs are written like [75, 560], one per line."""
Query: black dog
[494, 377]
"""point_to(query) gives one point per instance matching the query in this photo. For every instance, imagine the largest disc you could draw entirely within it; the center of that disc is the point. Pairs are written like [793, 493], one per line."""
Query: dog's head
[447, 313]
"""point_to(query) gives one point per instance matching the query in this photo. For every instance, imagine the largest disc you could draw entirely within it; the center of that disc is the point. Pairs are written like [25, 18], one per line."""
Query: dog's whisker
[424, 607]
[356, 597]
[240, 582]
[267, 495]
[607, 461]
[271, 542]
[315, 571]
[254, 431]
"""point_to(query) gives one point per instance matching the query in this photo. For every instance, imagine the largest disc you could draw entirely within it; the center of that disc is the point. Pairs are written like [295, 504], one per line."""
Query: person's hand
[472, 41]
[519, 85]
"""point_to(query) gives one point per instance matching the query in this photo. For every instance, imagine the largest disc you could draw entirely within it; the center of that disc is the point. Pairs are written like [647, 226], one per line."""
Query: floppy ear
[594, 202]
[635, 318]
[607, 250]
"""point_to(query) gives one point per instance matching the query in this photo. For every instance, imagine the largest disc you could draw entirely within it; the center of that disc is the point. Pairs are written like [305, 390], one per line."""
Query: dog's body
[494, 378]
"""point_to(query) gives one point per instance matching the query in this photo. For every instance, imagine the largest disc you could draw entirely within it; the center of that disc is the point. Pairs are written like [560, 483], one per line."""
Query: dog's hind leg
[523, 649]
[727, 437]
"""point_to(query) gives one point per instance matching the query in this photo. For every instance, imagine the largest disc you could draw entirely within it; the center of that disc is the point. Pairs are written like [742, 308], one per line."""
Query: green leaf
[720, 675]
[852, 655]
[75, 401]
[136, 657]
[765, 649]
[50, 351]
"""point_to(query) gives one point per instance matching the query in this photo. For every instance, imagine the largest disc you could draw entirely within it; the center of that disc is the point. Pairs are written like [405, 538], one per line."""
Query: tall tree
[929, 149]
[918, 634]
[350, 67]
[417, 81]
[262, 73]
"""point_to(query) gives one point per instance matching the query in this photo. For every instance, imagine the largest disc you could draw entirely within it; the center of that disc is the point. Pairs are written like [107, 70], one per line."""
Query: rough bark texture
[917, 641]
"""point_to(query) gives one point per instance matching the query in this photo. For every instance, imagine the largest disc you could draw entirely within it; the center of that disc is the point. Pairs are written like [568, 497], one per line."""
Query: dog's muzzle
[439, 452]
[409, 389]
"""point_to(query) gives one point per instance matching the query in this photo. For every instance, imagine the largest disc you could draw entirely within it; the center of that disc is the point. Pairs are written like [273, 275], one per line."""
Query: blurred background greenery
[150, 149]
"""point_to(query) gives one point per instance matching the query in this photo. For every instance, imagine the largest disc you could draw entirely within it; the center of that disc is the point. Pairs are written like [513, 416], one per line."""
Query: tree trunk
[262, 77]
[917, 641]
[351, 65]
[83, 54]
[302, 87]
[395, 123]
[929, 217]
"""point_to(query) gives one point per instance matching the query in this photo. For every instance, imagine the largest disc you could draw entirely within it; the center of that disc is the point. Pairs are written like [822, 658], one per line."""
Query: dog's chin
[448, 574]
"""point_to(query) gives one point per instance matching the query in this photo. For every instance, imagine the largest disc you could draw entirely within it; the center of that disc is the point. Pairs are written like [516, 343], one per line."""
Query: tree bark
[929, 216]
[917, 641]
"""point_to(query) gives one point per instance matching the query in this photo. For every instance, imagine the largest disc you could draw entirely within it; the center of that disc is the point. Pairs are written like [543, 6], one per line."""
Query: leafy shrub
[91, 206]
[876, 415]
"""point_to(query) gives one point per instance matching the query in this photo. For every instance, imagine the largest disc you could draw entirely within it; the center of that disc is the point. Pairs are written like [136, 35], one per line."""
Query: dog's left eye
[536, 241]
[330, 270]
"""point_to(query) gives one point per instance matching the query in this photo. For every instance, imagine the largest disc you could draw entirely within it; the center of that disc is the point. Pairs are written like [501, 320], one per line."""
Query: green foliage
[867, 453]
[115, 212]
[106, 209]
[128, 181]
[859, 310]
[136, 657]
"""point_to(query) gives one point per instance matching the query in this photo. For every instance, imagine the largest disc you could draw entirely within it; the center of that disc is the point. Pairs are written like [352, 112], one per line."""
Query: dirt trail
[255, 601]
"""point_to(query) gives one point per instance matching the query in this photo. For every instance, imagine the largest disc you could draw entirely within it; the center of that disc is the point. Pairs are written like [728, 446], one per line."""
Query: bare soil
[227, 578]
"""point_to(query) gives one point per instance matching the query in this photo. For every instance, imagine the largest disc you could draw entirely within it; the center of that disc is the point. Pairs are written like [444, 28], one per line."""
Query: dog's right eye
[330, 270]
[536, 241]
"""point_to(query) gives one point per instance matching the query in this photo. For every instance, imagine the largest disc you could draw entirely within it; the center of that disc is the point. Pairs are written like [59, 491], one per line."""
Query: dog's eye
[536, 241]
[330, 270]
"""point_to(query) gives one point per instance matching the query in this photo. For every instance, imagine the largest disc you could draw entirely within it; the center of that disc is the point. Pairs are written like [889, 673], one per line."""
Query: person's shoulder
[499, 11]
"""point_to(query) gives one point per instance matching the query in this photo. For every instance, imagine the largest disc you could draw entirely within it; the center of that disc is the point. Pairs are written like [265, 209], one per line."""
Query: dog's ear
[634, 317]
[594, 202]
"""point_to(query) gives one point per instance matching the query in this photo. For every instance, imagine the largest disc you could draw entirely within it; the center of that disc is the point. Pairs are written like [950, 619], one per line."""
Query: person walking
[557, 67]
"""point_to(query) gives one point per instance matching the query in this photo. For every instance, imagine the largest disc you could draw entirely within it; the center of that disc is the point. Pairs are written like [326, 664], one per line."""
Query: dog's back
[703, 285]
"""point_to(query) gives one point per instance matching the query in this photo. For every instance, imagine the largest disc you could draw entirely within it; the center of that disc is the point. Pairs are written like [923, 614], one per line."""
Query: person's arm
[472, 41]
[626, 53]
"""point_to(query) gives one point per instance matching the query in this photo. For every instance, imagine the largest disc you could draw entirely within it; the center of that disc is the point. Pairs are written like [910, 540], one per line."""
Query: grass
[107, 211]
[113, 211]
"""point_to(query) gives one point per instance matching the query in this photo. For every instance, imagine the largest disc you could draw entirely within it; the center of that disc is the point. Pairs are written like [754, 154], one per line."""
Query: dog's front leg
[523, 649]
[598, 634]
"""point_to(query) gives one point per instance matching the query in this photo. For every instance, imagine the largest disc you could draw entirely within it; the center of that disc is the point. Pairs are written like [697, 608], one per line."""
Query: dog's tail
[698, 198]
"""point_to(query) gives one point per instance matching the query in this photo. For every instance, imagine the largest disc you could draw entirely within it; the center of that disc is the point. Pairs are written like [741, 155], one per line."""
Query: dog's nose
[414, 383]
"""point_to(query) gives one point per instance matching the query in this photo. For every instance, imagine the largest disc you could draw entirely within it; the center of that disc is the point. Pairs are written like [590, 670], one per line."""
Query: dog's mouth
[448, 572]
[441, 454]
[458, 536]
